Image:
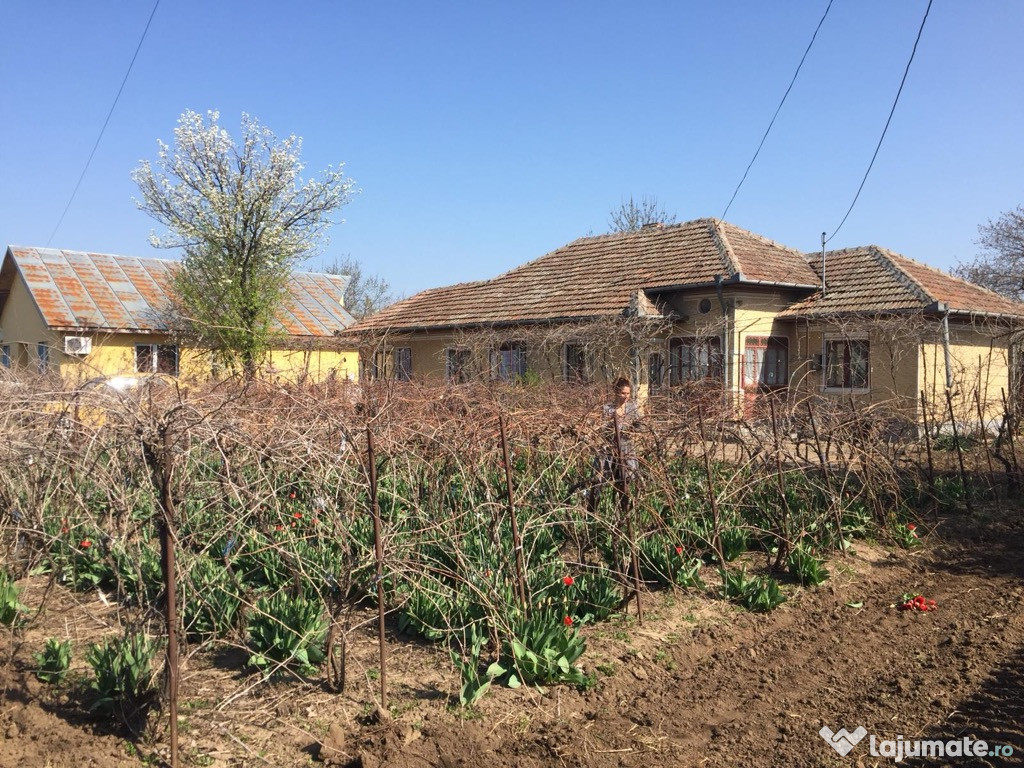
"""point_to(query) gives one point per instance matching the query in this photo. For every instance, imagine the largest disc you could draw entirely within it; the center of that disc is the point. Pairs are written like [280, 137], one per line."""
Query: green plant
[473, 685]
[805, 567]
[287, 631]
[599, 596]
[123, 680]
[543, 650]
[53, 661]
[760, 594]
[10, 607]
[734, 542]
[212, 608]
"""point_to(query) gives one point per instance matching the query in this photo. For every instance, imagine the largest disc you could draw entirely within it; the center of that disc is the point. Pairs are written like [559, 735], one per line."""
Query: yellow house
[88, 315]
[706, 301]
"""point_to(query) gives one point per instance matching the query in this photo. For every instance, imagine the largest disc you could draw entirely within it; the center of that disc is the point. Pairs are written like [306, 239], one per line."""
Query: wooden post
[716, 540]
[378, 546]
[827, 475]
[620, 471]
[959, 451]
[517, 543]
[160, 462]
[781, 479]
[984, 441]
[928, 448]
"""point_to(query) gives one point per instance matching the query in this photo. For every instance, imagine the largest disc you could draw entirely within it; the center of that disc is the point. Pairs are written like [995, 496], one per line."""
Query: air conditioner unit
[77, 345]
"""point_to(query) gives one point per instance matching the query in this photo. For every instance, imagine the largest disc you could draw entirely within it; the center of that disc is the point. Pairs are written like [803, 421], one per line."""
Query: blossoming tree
[244, 218]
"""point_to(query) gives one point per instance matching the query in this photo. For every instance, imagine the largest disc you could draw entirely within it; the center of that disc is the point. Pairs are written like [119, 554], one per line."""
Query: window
[692, 359]
[457, 365]
[765, 362]
[156, 358]
[846, 363]
[655, 372]
[508, 362]
[5, 355]
[43, 356]
[575, 369]
[403, 363]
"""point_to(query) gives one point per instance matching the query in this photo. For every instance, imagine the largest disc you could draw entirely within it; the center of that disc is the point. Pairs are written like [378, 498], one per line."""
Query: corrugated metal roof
[99, 291]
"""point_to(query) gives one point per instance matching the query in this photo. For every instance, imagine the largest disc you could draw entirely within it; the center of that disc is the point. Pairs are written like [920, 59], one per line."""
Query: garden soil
[698, 683]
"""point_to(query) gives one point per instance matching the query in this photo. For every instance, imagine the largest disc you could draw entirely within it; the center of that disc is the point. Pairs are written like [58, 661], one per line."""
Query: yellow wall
[980, 362]
[113, 354]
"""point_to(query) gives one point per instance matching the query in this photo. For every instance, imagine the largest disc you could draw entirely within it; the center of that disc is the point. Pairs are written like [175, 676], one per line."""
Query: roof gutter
[737, 279]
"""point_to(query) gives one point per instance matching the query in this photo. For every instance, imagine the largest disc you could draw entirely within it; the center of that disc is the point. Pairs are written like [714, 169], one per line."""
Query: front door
[765, 371]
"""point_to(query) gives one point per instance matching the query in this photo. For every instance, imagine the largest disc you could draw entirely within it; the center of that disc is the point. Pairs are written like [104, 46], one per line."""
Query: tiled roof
[599, 276]
[872, 279]
[99, 291]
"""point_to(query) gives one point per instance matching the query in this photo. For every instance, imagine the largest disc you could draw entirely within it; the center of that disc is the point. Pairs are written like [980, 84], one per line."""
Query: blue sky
[482, 135]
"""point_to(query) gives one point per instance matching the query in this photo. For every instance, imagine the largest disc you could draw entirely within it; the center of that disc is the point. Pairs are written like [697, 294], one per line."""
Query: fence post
[378, 546]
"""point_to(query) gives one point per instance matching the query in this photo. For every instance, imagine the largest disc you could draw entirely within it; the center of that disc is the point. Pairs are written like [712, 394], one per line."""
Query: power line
[104, 128]
[891, 111]
[778, 109]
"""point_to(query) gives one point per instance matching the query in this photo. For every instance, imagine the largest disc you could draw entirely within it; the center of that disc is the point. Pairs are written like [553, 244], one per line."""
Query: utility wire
[891, 111]
[104, 128]
[779, 109]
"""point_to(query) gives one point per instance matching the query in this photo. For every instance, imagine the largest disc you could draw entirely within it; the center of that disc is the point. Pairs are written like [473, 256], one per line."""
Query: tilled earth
[698, 683]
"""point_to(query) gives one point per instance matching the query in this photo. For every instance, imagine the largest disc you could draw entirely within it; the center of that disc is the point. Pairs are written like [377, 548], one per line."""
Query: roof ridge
[762, 238]
[725, 251]
[946, 274]
[884, 257]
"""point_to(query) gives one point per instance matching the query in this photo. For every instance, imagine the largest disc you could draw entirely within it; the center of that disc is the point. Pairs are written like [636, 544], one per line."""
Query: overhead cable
[104, 128]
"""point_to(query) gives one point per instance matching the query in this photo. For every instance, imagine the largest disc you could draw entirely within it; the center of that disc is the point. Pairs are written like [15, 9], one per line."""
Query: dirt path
[700, 683]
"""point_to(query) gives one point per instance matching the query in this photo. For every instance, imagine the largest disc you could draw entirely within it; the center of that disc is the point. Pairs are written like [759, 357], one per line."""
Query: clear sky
[485, 134]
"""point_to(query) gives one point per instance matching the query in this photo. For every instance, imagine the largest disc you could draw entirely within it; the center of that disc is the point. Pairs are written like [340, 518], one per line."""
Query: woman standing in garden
[616, 460]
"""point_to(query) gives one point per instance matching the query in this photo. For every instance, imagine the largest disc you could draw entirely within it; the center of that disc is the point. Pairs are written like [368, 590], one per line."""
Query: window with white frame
[5, 355]
[847, 363]
[457, 363]
[403, 363]
[765, 362]
[694, 359]
[156, 358]
[508, 362]
[575, 369]
[43, 356]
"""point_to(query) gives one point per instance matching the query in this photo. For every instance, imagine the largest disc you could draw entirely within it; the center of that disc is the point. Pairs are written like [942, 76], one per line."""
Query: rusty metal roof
[75, 290]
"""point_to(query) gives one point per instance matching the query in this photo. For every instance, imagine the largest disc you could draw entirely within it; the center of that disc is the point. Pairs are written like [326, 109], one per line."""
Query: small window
[403, 363]
[457, 365]
[508, 362]
[655, 372]
[5, 355]
[156, 358]
[847, 363]
[693, 359]
[43, 356]
[576, 370]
